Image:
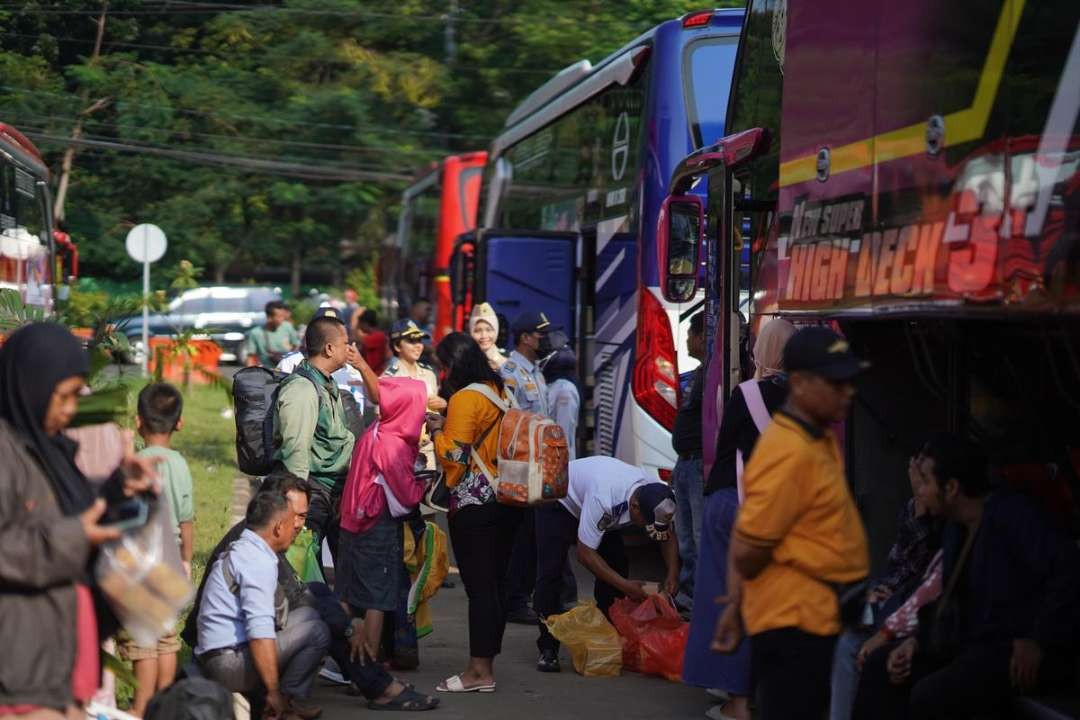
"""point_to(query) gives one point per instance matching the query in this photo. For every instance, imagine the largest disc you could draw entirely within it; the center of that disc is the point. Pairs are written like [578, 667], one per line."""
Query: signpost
[146, 244]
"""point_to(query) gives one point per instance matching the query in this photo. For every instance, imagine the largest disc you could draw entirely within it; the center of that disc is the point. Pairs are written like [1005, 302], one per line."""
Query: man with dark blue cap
[524, 377]
[605, 496]
[522, 373]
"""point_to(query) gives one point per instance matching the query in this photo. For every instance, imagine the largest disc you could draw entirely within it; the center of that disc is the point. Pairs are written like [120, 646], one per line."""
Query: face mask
[545, 346]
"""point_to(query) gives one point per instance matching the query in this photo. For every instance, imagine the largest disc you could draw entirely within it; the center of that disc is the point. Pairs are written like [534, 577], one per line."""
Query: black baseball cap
[528, 322]
[657, 503]
[328, 311]
[820, 351]
[407, 329]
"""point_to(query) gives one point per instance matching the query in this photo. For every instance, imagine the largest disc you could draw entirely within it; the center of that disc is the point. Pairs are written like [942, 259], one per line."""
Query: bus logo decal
[620, 146]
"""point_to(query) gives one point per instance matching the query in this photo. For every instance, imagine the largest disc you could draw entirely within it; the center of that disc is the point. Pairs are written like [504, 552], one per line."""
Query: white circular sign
[146, 243]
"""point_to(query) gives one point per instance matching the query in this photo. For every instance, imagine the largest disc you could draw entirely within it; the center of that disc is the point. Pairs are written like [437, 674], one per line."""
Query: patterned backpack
[533, 457]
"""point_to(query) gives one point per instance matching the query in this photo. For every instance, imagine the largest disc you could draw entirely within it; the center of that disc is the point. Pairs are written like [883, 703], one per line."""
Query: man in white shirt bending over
[605, 496]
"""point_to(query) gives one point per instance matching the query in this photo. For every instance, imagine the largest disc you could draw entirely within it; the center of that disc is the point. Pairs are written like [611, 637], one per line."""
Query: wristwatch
[351, 630]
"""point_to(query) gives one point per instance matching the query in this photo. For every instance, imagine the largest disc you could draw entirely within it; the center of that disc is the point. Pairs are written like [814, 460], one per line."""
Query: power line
[259, 118]
[423, 153]
[230, 8]
[259, 165]
[208, 51]
[184, 148]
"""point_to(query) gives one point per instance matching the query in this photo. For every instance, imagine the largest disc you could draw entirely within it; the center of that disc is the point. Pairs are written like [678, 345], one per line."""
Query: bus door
[520, 270]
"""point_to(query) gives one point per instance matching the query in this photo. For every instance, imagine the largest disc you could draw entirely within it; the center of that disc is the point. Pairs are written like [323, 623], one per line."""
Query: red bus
[435, 209]
[27, 246]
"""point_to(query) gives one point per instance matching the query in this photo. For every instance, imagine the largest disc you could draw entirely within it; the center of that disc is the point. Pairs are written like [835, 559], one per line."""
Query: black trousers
[976, 683]
[556, 533]
[369, 677]
[483, 539]
[324, 516]
[792, 668]
[521, 579]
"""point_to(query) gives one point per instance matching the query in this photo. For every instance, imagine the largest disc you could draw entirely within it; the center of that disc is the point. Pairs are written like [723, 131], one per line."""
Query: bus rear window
[707, 70]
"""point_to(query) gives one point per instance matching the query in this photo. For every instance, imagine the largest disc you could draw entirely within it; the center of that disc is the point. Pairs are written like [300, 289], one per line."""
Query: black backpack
[255, 391]
[192, 699]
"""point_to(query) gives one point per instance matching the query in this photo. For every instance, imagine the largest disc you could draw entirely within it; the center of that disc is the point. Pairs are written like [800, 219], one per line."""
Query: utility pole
[450, 51]
[76, 132]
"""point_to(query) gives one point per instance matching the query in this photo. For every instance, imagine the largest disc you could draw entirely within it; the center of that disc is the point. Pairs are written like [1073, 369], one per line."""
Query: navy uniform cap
[531, 322]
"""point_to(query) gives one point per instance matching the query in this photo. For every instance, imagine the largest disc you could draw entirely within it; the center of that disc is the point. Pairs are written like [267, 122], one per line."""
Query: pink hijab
[388, 448]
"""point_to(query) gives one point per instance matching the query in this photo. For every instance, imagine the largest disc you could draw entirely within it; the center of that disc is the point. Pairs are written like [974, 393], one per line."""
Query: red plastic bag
[653, 636]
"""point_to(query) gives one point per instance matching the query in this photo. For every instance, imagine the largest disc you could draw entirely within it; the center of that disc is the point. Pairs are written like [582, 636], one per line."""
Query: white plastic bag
[142, 578]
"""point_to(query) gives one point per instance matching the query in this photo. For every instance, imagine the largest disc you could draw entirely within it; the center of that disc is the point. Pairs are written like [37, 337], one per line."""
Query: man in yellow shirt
[798, 536]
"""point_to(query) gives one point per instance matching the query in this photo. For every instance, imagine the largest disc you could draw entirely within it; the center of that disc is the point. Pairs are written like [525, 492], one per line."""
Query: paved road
[523, 692]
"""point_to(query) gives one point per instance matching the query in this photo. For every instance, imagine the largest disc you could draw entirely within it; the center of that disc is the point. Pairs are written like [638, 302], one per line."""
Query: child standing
[159, 416]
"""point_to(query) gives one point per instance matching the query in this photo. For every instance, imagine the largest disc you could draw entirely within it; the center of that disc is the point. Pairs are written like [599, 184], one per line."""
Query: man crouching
[248, 636]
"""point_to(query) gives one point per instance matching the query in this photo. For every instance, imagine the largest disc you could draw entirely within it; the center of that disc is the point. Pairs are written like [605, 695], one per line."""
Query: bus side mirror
[678, 242]
[460, 271]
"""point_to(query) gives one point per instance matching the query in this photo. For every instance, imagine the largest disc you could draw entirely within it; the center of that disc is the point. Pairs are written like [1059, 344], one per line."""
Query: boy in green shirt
[159, 416]
[267, 344]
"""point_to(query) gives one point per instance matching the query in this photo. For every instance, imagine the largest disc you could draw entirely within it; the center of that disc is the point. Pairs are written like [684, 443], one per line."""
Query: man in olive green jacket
[311, 437]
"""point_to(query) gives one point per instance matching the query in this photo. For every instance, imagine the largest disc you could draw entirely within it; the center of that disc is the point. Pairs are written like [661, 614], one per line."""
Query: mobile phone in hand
[130, 514]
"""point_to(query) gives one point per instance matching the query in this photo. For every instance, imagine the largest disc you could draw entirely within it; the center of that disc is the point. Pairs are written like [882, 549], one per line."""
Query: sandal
[406, 701]
[454, 685]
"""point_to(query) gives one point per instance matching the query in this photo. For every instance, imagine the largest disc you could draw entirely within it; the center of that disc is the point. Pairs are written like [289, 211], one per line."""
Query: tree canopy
[272, 138]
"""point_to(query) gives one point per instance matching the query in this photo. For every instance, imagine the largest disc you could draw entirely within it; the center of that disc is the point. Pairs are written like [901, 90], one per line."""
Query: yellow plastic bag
[593, 642]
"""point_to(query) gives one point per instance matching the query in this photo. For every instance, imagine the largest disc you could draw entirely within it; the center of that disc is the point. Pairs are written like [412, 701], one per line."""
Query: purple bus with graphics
[574, 189]
[917, 188]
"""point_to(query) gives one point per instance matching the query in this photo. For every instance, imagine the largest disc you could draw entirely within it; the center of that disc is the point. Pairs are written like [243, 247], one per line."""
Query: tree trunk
[219, 273]
[76, 133]
[297, 267]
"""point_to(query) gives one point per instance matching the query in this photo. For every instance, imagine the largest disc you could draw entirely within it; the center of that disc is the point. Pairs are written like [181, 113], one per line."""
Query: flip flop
[454, 685]
[406, 701]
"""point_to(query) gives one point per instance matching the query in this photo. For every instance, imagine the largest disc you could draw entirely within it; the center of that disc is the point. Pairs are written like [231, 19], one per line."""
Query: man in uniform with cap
[522, 373]
[798, 535]
[407, 340]
[605, 496]
[524, 377]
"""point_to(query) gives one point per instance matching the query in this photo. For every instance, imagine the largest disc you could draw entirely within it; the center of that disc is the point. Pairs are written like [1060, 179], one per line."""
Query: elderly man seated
[249, 637]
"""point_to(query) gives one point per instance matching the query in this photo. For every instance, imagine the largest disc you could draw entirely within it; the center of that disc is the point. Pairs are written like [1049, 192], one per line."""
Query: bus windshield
[708, 68]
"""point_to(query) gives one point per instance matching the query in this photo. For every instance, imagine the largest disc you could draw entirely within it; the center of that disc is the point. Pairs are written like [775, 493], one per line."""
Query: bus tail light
[697, 19]
[656, 371]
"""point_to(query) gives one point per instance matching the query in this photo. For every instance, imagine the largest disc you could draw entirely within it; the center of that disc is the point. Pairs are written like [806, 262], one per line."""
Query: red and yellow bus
[435, 210]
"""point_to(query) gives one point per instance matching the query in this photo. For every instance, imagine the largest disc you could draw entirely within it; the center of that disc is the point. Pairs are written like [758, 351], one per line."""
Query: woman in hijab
[380, 493]
[49, 525]
[745, 415]
[484, 328]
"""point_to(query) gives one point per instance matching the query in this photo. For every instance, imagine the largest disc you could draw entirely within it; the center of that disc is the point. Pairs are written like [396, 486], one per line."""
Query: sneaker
[522, 616]
[548, 662]
[330, 671]
[716, 712]
[717, 695]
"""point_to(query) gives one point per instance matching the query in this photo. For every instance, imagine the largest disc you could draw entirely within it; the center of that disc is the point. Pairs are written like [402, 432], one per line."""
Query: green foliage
[362, 280]
[338, 87]
[14, 313]
[185, 276]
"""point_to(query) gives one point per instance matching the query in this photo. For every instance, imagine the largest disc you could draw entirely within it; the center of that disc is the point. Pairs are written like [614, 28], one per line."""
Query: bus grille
[604, 397]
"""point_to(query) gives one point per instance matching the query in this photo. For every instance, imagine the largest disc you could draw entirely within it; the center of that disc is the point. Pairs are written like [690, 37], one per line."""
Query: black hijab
[33, 361]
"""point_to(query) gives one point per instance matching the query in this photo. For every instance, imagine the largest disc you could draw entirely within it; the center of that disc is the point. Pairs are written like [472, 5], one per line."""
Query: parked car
[223, 314]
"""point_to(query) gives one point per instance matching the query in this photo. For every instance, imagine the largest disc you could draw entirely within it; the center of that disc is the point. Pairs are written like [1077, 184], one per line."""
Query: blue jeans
[689, 486]
[845, 675]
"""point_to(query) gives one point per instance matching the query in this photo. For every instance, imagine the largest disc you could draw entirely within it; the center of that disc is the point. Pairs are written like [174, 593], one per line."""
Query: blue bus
[574, 192]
